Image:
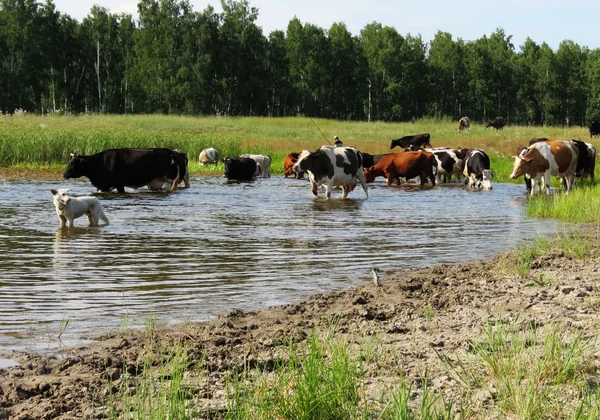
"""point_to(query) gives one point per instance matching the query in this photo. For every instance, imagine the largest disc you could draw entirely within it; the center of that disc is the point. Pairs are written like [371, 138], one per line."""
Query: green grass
[36, 141]
[582, 204]
[528, 373]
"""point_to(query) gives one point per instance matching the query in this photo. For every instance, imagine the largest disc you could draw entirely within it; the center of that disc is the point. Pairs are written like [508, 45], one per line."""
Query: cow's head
[76, 168]
[303, 162]
[521, 164]
[370, 174]
[486, 179]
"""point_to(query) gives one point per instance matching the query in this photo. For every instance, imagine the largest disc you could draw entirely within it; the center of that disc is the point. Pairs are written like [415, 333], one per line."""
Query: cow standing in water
[477, 169]
[403, 165]
[133, 168]
[333, 166]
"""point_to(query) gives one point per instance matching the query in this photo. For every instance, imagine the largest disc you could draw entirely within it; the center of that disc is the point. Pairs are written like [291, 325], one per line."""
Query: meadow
[46, 141]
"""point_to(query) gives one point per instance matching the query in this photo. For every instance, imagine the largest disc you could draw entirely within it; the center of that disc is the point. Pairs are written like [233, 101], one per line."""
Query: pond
[200, 252]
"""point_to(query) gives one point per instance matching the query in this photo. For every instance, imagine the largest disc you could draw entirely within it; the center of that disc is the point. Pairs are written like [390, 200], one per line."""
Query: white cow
[333, 166]
[263, 164]
[209, 156]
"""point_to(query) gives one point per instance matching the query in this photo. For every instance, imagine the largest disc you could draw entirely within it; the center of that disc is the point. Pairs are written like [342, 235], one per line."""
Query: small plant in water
[65, 322]
[125, 321]
[150, 325]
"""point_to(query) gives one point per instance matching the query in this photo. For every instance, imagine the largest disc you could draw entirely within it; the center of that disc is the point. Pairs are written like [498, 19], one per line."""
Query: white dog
[70, 208]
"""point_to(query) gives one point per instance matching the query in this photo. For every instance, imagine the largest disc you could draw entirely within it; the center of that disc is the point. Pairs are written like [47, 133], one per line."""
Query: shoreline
[414, 317]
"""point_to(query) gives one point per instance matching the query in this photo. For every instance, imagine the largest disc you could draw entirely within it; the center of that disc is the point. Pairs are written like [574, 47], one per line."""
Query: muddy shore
[411, 319]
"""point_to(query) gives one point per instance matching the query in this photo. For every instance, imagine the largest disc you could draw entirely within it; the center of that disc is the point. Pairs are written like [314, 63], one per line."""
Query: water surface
[200, 252]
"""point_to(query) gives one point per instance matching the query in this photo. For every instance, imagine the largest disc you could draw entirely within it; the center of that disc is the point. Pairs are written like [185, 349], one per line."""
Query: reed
[582, 204]
[47, 141]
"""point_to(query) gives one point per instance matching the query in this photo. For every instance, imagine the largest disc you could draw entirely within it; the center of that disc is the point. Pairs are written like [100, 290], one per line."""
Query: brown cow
[403, 165]
[498, 123]
[288, 165]
[543, 159]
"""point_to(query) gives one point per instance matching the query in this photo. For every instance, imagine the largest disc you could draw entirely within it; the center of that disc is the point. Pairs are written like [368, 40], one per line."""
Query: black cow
[595, 129]
[120, 168]
[181, 160]
[498, 123]
[370, 160]
[586, 161]
[239, 168]
[477, 169]
[413, 142]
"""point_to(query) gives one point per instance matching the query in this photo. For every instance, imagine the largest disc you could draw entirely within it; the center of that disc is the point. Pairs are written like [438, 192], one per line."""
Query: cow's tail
[176, 182]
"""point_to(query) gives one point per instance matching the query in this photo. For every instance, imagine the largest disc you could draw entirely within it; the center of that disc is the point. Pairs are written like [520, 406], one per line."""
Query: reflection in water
[221, 245]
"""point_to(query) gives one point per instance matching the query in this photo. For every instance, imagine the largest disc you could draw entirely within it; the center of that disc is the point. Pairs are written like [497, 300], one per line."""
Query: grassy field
[35, 141]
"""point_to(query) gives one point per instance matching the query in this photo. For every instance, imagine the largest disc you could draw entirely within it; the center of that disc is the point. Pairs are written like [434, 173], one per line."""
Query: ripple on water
[217, 246]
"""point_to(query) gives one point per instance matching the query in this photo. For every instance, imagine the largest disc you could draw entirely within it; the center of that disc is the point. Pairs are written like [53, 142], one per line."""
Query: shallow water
[200, 252]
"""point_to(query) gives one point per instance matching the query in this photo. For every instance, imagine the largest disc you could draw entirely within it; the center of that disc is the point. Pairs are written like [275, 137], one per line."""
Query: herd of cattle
[346, 167]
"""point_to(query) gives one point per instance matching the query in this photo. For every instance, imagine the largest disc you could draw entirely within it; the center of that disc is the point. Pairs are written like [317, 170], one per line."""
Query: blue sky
[550, 21]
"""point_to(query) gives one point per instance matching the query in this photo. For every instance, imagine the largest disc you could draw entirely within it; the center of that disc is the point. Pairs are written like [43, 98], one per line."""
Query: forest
[174, 60]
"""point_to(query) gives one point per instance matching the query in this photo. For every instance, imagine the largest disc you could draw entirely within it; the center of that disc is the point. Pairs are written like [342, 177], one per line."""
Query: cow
[595, 129]
[498, 123]
[263, 164]
[370, 160]
[413, 142]
[209, 156]
[333, 166]
[288, 165]
[240, 168]
[463, 124]
[543, 159]
[120, 168]
[477, 169]
[448, 162]
[586, 160]
[407, 165]
[181, 160]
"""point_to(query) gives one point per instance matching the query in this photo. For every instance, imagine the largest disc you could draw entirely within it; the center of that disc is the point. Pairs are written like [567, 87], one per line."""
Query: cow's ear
[53, 191]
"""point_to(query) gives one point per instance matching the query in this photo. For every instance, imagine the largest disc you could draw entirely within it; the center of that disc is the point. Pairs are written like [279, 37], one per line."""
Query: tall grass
[47, 141]
[528, 373]
[582, 204]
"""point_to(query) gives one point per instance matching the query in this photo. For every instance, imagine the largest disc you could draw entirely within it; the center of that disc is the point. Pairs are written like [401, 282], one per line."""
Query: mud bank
[412, 319]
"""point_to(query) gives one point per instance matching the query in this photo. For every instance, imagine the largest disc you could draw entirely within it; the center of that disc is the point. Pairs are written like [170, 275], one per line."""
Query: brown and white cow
[546, 158]
[463, 124]
[403, 165]
[333, 166]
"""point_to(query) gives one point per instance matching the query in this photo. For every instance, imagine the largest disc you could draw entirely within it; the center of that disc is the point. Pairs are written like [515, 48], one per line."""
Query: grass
[582, 204]
[36, 141]
[529, 373]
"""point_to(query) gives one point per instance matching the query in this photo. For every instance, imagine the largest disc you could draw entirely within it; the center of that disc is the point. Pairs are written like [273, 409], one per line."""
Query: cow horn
[174, 186]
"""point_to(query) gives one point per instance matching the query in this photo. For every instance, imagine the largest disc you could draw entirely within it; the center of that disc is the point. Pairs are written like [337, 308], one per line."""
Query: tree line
[174, 60]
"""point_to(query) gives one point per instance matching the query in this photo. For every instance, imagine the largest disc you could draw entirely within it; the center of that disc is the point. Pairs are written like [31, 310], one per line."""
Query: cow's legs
[361, 178]
[345, 190]
[329, 188]
[546, 182]
[121, 188]
[315, 188]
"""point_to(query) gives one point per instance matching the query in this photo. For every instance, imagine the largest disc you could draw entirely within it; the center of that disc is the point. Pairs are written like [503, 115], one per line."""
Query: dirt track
[415, 314]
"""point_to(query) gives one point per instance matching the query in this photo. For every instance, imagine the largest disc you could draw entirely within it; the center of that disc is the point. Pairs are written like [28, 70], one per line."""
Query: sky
[550, 21]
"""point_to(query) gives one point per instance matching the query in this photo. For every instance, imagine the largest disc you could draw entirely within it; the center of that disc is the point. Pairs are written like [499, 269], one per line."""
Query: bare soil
[412, 317]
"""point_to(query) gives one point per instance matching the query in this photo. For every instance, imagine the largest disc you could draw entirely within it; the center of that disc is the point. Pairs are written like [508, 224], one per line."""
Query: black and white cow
[449, 162]
[134, 168]
[413, 142]
[181, 160]
[263, 164]
[333, 166]
[240, 168]
[477, 169]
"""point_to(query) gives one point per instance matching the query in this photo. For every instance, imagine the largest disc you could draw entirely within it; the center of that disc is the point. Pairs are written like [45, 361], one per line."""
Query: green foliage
[173, 60]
